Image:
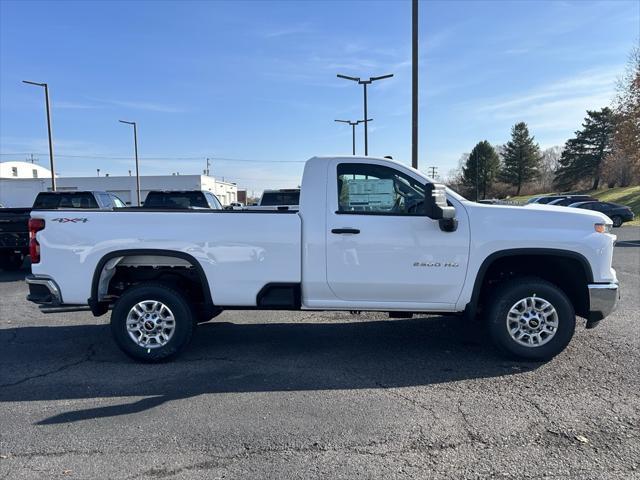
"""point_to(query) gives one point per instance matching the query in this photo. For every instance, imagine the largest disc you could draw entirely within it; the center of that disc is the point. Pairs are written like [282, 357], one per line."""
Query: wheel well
[569, 273]
[119, 271]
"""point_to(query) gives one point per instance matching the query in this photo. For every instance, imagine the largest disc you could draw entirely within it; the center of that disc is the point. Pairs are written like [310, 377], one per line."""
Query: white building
[23, 170]
[16, 191]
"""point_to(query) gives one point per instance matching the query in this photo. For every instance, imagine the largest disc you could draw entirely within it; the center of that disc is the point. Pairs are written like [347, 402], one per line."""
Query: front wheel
[152, 322]
[531, 319]
[617, 221]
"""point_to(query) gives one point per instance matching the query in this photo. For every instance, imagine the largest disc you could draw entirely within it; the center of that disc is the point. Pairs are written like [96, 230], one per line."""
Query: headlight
[602, 227]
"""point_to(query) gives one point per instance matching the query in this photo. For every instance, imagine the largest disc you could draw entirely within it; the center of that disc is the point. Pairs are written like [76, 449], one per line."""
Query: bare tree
[622, 167]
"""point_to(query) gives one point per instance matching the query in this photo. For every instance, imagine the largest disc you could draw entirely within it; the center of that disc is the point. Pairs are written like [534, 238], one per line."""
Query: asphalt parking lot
[309, 395]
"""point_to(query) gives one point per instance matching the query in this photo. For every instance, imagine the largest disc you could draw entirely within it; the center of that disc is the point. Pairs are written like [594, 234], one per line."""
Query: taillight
[35, 225]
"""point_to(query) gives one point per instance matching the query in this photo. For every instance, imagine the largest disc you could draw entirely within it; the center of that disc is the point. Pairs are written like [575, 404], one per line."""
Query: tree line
[606, 149]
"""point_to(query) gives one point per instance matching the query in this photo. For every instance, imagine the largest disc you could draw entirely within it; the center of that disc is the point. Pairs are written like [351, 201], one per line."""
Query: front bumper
[43, 290]
[602, 301]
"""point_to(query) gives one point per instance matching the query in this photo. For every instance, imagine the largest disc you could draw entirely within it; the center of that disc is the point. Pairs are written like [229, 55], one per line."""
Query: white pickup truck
[371, 234]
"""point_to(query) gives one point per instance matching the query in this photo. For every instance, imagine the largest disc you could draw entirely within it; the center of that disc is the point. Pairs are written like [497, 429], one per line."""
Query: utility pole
[434, 171]
[135, 146]
[208, 165]
[414, 84]
[98, 170]
[32, 159]
[353, 130]
[46, 99]
[364, 83]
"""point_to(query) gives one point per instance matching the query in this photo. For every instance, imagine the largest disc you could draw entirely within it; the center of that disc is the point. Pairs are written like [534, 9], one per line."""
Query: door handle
[345, 230]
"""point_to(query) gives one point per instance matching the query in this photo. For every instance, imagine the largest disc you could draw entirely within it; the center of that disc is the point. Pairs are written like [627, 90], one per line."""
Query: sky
[252, 85]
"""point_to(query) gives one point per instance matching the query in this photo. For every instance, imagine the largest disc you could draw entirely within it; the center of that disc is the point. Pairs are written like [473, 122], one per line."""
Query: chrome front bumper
[43, 290]
[602, 301]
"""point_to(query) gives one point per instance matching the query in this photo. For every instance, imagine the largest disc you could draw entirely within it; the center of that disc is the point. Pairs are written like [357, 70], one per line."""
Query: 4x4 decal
[70, 220]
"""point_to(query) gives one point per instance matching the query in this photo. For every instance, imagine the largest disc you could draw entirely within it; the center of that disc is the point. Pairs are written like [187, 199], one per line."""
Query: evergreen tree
[521, 157]
[481, 168]
[583, 155]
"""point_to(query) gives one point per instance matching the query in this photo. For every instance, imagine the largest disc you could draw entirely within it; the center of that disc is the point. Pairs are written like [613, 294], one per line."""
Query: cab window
[378, 190]
[117, 202]
[213, 201]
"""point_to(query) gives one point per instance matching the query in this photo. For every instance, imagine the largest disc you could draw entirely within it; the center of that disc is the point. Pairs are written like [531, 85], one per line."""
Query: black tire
[507, 295]
[11, 261]
[174, 300]
[617, 221]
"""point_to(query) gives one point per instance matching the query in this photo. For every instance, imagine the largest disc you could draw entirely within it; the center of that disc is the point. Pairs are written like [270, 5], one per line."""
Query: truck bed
[240, 251]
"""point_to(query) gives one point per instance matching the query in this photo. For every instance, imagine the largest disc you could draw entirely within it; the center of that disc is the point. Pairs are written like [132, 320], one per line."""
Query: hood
[549, 216]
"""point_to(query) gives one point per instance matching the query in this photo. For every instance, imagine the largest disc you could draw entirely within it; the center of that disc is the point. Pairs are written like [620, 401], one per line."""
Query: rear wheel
[152, 322]
[531, 319]
[617, 221]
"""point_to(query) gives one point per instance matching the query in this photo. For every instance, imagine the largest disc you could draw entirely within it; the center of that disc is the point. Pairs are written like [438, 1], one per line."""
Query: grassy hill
[629, 196]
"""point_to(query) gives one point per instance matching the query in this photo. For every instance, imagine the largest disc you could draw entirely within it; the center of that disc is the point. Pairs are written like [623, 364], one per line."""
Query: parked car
[14, 228]
[14, 237]
[618, 214]
[182, 199]
[544, 199]
[282, 199]
[370, 234]
[78, 199]
[569, 199]
[235, 206]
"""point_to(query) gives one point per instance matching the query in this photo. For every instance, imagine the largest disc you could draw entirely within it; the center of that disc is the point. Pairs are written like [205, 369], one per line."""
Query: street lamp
[414, 84]
[364, 83]
[135, 146]
[46, 98]
[353, 129]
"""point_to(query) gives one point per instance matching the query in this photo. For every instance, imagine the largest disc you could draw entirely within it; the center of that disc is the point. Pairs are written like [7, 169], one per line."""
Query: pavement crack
[86, 358]
[473, 436]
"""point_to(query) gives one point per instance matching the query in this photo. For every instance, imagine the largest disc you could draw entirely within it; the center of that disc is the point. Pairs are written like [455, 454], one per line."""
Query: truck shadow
[81, 362]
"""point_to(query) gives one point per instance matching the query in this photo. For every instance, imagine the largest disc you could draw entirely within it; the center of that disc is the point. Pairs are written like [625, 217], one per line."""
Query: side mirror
[436, 204]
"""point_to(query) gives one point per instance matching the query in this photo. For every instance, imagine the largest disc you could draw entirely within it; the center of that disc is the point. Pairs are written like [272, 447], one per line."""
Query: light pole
[414, 84]
[46, 98]
[135, 146]
[353, 129]
[364, 83]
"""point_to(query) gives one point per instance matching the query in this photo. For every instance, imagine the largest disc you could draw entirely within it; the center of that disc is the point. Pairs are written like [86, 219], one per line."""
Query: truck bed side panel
[239, 252]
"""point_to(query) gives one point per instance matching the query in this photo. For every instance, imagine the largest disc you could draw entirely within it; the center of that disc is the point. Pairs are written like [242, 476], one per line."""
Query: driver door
[381, 247]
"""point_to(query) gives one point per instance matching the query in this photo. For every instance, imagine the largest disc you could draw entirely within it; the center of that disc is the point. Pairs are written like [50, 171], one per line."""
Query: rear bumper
[43, 290]
[602, 301]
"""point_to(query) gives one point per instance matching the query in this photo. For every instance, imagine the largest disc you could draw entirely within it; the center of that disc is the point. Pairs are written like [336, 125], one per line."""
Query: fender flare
[471, 307]
[99, 308]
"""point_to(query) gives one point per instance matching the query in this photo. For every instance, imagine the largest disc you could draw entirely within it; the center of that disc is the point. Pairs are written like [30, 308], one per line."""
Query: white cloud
[559, 105]
[140, 105]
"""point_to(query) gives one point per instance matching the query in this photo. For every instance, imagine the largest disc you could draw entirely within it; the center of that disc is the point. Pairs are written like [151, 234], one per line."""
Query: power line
[202, 157]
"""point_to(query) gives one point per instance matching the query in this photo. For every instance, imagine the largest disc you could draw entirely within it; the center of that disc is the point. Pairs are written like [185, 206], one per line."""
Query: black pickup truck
[14, 222]
[182, 199]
